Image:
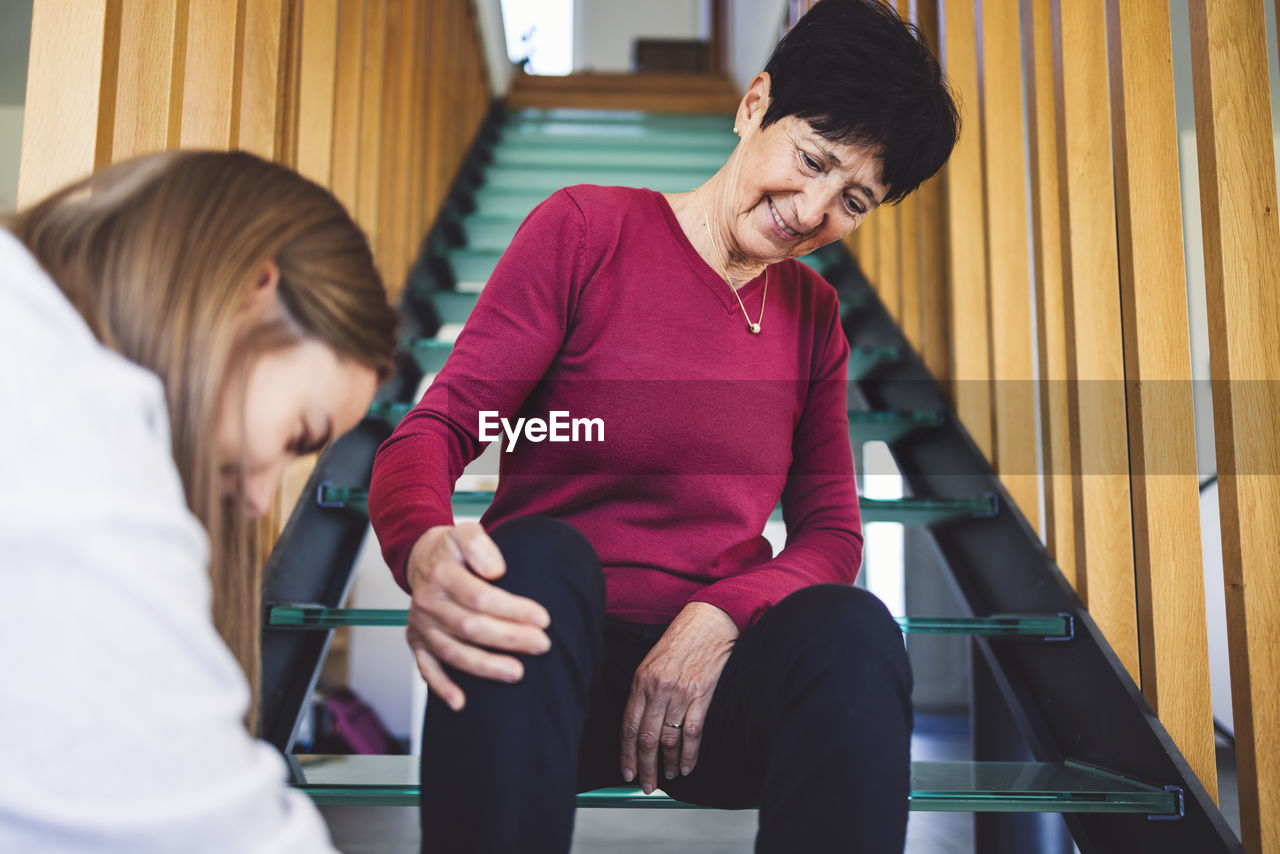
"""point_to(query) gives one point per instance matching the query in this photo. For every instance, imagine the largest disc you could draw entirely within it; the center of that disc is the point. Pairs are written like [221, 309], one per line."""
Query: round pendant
[755, 328]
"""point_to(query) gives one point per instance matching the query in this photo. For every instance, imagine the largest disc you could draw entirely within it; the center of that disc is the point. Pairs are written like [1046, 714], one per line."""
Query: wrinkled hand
[457, 615]
[674, 685]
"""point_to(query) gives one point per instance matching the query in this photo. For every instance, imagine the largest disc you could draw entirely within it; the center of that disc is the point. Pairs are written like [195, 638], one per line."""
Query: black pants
[811, 720]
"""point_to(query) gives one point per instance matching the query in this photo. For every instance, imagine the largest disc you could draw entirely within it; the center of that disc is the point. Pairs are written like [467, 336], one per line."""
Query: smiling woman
[708, 665]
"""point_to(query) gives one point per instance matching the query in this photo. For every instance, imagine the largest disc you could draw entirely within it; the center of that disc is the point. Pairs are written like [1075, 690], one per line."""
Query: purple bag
[357, 723]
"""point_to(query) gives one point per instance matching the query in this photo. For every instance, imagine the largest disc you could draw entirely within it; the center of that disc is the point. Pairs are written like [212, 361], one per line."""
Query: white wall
[493, 34]
[754, 28]
[603, 30]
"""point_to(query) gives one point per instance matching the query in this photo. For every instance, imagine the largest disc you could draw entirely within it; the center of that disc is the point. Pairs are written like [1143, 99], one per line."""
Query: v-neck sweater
[602, 309]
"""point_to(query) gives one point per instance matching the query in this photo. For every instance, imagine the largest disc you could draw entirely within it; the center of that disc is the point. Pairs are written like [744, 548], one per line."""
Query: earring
[735, 130]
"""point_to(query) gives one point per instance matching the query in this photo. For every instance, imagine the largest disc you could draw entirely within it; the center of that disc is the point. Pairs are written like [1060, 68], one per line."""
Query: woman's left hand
[671, 692]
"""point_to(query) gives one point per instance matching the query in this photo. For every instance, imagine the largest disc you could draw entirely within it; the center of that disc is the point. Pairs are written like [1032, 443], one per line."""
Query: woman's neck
[705, 217]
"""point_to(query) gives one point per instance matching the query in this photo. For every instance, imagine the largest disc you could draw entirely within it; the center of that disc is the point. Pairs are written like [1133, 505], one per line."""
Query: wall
[1206, 456]
[603, 30]
[15, 41]
[494, 38]
[754, 28]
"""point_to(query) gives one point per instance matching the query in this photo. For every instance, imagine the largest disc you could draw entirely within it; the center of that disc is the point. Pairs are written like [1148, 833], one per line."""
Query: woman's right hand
[457, 615]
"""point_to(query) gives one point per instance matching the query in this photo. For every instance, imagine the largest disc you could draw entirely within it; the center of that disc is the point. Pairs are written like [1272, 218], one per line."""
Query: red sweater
[603, 309]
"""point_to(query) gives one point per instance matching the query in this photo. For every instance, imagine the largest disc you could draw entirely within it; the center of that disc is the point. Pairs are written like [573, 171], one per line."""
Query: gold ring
[670, 724]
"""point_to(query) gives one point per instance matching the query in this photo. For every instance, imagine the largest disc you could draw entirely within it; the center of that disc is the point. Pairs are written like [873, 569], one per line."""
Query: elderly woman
[624, 619]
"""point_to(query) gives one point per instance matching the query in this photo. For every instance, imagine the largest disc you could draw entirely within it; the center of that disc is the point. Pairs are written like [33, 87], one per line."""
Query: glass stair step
[451, 306]
[863, 360]
[1060, 787]
[525, 157]
[905, 511]
[390, 412]
[1029, 627]
[548, 180]
[866, 425]
[699, 121]
[429, 353]
[583, 134]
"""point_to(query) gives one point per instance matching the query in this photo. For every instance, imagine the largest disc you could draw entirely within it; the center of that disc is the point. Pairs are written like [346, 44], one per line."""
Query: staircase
[1058, 726]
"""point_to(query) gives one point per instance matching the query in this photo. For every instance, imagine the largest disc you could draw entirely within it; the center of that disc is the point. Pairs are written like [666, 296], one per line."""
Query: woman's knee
[548, 559]
[847, 629]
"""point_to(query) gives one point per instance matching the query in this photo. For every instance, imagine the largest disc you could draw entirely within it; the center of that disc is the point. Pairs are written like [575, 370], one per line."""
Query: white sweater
[120, 706]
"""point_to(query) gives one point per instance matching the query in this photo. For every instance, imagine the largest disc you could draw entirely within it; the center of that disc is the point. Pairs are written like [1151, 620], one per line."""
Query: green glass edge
[1031, 626]
[1126, 796]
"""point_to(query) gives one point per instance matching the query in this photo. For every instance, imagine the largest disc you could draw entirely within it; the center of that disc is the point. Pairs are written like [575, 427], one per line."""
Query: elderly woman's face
[796, 191]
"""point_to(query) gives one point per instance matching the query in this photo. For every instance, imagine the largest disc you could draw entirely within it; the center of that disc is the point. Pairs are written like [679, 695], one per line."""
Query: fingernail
[670, 775]
[628, 774]
[684, 770]
[513, 674]
[544, 645]
[647, 788]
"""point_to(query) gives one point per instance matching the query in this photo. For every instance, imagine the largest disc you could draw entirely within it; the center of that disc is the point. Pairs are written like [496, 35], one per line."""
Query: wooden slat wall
[1242, 268]
[315, 84]
[1095, 353]
[1166, 495]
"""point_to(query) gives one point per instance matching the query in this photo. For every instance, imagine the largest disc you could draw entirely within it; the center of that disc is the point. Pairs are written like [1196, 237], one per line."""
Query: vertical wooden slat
[290, 84]
[317, 83]
[866, 244]
[1095, 352]
[347, 102]
[1008, 259]
[211, 85]
[966, 233]
[935, 342]
[368, 197]
[418, 202]
[909, 269]
[1046, 230]
[888, 260]
[909, 249]
[1242, 269]
[436, 84]
[405, 93]
[71, 88]
[1162, 446]
[261, 106]
[153, 44]
[388, 174]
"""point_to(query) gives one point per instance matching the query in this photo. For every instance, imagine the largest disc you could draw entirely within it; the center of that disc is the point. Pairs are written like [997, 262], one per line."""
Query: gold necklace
[753, 328]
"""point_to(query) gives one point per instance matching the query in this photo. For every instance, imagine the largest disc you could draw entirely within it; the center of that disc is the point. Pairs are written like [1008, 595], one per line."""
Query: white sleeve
[120, 706]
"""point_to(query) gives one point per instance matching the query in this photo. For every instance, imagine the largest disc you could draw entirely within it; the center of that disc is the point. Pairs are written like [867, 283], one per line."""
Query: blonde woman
[173, 331]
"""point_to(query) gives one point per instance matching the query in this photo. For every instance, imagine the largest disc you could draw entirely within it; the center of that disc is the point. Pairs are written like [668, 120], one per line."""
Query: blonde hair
[159, 254]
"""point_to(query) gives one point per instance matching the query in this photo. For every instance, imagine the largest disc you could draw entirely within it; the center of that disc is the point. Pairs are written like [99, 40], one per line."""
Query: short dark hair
[861, 75]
